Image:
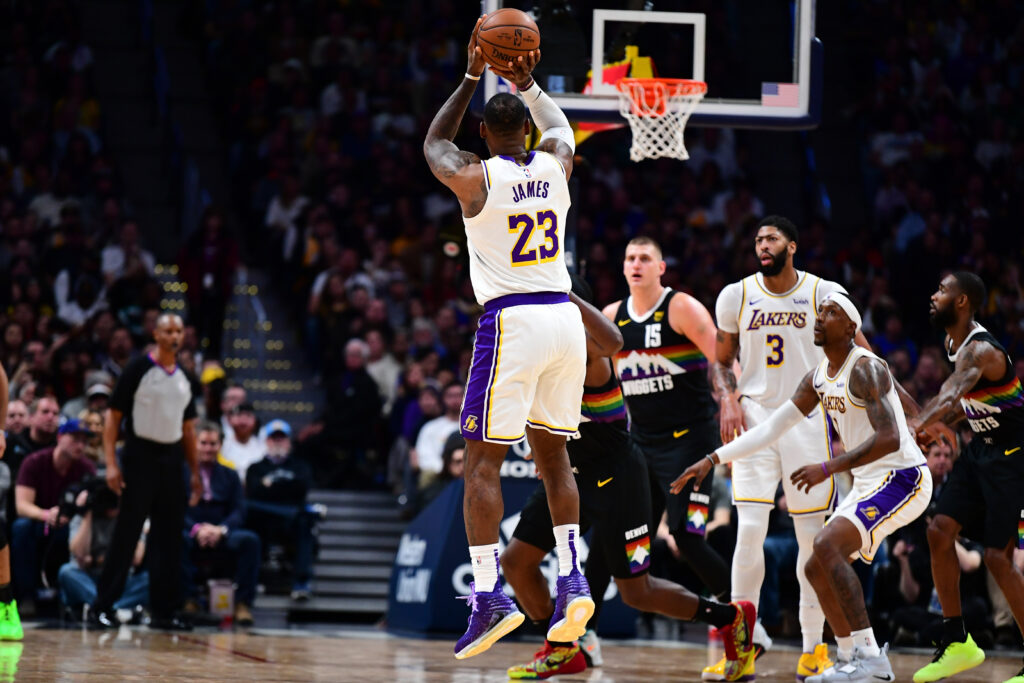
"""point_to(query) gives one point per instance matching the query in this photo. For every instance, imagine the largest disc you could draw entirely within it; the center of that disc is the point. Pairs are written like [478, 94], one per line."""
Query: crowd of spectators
[324, 110]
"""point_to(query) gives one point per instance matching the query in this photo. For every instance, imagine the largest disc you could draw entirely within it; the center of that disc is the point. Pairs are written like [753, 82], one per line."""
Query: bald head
[167, 319]
[169, 333]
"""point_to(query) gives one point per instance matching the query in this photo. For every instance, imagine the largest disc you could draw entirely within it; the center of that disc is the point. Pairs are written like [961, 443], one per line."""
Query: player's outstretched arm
[557, 137]
[971, 364]
[869, 382]
[603, 338]
[782, 419]
[457, 169]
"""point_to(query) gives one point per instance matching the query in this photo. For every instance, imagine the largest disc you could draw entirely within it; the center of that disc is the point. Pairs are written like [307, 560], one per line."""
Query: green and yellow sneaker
[10, 622]
[550, 661]
[951, 659]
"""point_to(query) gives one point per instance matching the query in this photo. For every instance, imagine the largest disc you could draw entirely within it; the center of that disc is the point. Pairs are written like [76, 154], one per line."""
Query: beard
[779, 261]
[943, 318]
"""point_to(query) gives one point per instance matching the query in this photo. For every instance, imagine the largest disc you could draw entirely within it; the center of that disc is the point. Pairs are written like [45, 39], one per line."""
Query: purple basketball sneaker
[573, 608]
[494, 615]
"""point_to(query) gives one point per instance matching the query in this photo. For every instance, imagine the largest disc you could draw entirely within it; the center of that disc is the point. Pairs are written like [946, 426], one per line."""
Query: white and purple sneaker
[493, 616]
[573, 608]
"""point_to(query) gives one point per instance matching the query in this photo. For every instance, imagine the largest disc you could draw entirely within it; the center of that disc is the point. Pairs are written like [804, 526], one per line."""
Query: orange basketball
[505, 35]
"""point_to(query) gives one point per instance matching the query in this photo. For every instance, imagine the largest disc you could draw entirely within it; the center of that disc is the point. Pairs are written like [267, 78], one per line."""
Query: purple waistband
[525, 300]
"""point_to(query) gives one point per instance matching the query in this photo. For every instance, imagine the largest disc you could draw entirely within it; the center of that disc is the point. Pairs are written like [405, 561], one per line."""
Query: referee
[154, 408]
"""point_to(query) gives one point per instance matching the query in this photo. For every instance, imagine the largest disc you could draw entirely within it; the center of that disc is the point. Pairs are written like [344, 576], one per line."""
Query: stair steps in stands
[358, 542]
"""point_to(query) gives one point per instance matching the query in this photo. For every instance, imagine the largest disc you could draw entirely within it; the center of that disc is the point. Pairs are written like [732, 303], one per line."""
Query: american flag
[780, 95]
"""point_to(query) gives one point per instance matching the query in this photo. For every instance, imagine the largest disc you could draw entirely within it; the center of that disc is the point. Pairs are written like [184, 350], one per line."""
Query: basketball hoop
[657, 110]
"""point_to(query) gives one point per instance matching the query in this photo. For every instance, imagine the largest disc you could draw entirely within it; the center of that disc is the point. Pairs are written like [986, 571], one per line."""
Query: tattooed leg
[832, 549]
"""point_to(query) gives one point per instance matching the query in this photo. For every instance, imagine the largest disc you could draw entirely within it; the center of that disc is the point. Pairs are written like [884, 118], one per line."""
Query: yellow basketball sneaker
[813, 663]
[951, 659]
[1019, 678]
[716, 672]
[10, 622]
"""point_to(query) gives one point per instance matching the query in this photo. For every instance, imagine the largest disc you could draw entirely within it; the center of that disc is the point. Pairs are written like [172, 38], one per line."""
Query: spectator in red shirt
[42, 479]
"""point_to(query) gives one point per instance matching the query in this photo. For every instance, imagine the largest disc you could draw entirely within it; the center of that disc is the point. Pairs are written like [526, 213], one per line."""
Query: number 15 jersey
[776, 333]
[516, 241]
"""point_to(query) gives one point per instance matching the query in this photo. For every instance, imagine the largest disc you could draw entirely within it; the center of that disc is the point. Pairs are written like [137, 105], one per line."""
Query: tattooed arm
[723, 381]
[975, 360]
[460, 171]
[869, 382]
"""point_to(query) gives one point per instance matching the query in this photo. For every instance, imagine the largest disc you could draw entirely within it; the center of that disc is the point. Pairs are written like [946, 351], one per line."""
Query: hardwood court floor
[354, 655]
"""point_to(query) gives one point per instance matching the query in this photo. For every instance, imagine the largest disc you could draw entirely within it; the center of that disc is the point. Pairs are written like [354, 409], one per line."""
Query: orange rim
[657, 91]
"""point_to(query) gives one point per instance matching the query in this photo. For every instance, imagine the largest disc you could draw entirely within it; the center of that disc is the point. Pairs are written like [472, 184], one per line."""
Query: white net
[657, 111]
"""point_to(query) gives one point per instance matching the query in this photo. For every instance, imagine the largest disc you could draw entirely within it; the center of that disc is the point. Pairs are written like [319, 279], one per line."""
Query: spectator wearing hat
[42, 480]
[277, 487]
[95, 398]
[242, 445]
[213, 526]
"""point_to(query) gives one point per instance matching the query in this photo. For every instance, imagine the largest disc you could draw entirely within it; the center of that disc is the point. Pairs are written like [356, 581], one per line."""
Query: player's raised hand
[518, 71]
[697, 471]
[808, 476]
[475, 57]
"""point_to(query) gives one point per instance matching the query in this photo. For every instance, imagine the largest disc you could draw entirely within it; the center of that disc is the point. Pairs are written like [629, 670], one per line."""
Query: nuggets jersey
[850, 417]
[994, 409]
[516, 242]
[776, 333]
[602, 425]
[663, 375]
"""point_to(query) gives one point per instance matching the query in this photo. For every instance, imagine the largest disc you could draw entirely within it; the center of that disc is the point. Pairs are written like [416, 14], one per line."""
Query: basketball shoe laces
[470, 599]
[940, 649]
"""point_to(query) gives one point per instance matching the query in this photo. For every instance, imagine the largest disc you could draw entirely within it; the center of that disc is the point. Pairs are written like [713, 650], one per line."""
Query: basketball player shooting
[891, 483]
[529, 355]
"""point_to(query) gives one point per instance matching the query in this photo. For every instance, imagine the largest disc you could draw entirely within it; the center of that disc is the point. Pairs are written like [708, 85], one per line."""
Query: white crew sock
[845, 645]
[566, 536]
[748, 558]
[485, 566]
[812, 619]
[864, 641]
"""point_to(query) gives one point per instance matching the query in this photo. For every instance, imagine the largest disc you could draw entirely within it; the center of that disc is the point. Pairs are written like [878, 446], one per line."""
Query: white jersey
[776, 333]
[516, 243]
[850, 417]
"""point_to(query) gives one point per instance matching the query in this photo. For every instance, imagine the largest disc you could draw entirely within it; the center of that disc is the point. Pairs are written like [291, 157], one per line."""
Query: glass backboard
[759, 58]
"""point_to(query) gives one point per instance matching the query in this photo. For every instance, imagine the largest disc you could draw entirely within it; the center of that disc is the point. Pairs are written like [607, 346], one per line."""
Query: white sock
[566, 536]
[845, 645]
[485, 566]
[864, 640]
[748, 558]
[812, 619]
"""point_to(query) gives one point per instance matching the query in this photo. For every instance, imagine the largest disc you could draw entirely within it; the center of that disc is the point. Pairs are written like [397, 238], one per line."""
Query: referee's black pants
[154, 478]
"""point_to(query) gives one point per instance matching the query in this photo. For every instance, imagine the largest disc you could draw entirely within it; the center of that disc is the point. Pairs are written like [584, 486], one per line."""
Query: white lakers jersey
[776, 333]
[850, 417]
[516, 243]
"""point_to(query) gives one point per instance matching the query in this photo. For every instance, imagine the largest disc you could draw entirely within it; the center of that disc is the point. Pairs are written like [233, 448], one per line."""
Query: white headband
[843, 302]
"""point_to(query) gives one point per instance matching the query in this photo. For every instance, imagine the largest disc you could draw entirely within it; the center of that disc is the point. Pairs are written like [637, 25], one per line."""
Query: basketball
[507, 34]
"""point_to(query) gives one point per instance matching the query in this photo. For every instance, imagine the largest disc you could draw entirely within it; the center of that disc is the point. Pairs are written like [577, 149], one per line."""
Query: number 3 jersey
[662, 374]
[516, 241]
[776, 333]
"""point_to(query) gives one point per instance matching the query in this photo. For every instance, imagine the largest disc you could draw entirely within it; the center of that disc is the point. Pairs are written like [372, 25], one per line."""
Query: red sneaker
[551, 661]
